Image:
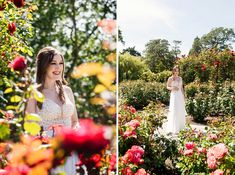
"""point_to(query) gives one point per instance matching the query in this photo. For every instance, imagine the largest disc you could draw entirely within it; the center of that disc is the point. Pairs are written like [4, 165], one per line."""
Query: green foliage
[130, 67]
[132, 51]
[210, 100]
[220, 38]
[163, 76]
[140, 93]
[158, 56]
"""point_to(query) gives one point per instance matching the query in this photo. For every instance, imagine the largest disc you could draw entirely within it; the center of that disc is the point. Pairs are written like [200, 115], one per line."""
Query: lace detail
[53, 114]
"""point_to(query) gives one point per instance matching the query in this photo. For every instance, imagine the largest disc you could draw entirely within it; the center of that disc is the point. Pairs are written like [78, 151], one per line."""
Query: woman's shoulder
[67, 88]
[170, 78]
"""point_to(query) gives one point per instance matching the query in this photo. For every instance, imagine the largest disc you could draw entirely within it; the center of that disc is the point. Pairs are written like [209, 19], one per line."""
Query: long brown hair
[44, 58]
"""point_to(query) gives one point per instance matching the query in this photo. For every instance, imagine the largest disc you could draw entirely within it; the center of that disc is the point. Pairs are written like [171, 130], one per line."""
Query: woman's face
[176, 72]
[55, 68]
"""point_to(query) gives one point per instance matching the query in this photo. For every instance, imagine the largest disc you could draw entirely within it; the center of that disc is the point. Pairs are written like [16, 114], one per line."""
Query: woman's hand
[174, 88]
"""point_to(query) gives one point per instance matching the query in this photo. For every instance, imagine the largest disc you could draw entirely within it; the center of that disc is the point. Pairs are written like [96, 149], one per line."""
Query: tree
[196, 47]
[176, 48]
[220, 38]
[158, 56]
[132, 51]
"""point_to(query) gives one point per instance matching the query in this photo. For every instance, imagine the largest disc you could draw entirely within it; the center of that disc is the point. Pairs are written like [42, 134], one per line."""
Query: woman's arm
[30, 106]
[74, 117]
[168, 84]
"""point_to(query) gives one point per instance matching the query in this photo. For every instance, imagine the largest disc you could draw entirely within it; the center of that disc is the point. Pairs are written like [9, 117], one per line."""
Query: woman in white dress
[58, 107]
[177, 113]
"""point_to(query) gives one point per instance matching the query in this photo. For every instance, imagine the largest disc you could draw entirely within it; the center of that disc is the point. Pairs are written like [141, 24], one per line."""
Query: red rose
[11, 27]
[127, 171]
[190, 145]
[203, 67]
[18, 3]
[113, 161]
[91, 162]
[18, 64]
[89, 138]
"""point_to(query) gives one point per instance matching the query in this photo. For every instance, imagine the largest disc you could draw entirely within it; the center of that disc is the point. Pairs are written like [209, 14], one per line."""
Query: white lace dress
[53, 114]
[176, 116]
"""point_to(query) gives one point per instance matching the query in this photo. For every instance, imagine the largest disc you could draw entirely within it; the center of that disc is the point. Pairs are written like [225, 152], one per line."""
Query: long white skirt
[177, 113]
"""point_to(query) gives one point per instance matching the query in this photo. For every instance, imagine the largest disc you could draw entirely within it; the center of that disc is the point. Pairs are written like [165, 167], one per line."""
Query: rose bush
[209, 152]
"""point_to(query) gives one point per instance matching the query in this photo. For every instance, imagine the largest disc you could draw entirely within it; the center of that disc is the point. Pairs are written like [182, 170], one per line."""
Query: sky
[143, 20]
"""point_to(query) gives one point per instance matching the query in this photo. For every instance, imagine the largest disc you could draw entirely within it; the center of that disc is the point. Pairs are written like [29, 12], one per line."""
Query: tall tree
[176, 48]
[196, 47]
[132, 51]
[220, 38]
[158, 56]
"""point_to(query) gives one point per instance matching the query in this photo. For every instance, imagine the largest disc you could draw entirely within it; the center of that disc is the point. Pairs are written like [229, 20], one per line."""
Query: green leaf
[32, 128]
[8, 90]
[38, 96]
[5, 131]
[15, 99]
[11, 107]
[32, 117]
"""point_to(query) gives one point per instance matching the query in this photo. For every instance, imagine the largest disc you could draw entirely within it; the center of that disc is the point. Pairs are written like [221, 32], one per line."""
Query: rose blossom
[190, 145]
[201, 150]
[18, 64]
[219, 151]
[88, 138]
[141, 172]
[18, 3]
[11, 27]
[91, 162]
[134, 155]
[217, 172]
[211, 161]
[113, 161]
[188, 152]
[212, 137]
[127, 171]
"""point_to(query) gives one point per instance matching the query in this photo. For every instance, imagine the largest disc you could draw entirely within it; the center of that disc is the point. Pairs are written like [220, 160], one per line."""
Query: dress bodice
[177, 83]
[54, 114]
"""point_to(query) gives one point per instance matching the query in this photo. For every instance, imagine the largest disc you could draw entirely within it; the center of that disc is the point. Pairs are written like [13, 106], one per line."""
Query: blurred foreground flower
[108, 26]
[89, 138]
[11, 28]
[18, 64]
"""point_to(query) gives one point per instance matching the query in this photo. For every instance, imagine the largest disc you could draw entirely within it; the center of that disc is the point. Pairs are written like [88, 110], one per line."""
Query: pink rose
[201, 150]
[190, 145]
[218, 151]
[212, 137]
[127, 171]
[217, 172]
[134, 155]
[211, 162]
[188, 152]
[141, 172]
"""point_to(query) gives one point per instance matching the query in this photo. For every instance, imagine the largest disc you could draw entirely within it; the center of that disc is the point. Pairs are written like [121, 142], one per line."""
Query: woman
[176, 116]
[58, 107]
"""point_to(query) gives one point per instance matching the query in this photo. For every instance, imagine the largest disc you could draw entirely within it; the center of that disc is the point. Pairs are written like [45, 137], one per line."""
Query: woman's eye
[53, 63]
[61, 63]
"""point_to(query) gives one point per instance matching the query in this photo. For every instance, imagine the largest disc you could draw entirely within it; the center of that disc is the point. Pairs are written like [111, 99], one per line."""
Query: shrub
[163, 76]
[130, 67]
[206, 152]
[157, 148]
[139, 93]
